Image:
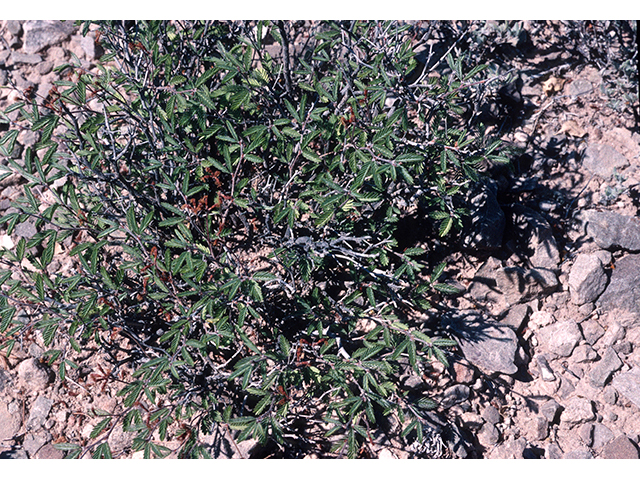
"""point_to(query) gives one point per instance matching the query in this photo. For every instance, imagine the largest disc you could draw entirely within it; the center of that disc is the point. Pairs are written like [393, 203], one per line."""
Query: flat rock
[602, 371]
[517, 316]
[9, 423]
[611, 230]
[601, 436]
[39, 412]
[620, 448]
[592, 331]
[577, 410]
[508, 286]
[488, 436]
[50, 452]
[454, 395]
[535, 237]
[560, 338]
[29, 59]
[623, 291]
[587, 279]
[511, 449]
[603, 160]
[485, 344]
[39, 34]
[628, 385]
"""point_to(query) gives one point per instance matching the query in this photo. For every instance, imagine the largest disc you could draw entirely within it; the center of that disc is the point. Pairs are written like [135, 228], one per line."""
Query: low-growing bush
[254, 227]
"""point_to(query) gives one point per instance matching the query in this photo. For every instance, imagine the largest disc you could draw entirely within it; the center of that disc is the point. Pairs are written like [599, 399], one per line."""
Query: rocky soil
[549, 320]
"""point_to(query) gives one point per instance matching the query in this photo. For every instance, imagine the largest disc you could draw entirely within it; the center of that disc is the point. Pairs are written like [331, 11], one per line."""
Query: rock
[579, 86]
[566, 387]
[584, 354]
[484, 343]
[491, 414]
[14, 454]
[463, 373]
[545, 370]
[9, 422]
[585, 432]
[488, 436]
[603, 160]
[601, 436]
[485, 224]
[511, 449]
[14, 27]
[454, 395]
[577, 410]
[26, 230]
[560, 338]
[550, 410]
[582, 454]
[627, 384]
[39, 34]
[602, 371]
[587, 279]
[50, 452]
[623, 292]
[39, 412]
[33, 374]
[5, 380]
[536, 428]
[534, 236]
[611, 230]
[33, 442]
[620, 448]
[592, 331]
[553, 451]
[507, 286]
[609, 395]
[516, 317]
[19, 57]
[614, 333]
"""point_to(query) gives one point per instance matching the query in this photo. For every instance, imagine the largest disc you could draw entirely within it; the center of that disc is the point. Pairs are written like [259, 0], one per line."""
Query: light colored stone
[577, 410]
[602, 371]
[587, 279]
[33, 374]
[560, 338]
[628, 385]
[620, 448]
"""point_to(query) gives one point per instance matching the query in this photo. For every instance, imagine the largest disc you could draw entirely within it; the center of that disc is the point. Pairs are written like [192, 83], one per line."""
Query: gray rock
[550, 410]
[507, 286]
[485, 224]
[491, 414]
[601, 436]
[566, 387]
[14, 27]
[546, 372]
[454, 395]
[623, 292]
[602, 371]
[39, 34]
[33, 442]
[609, 395]
[614, 333]
[585, 432]
[26, 230]
[592, 331]
[577, 410]
[584, 354]
[603, 160]
[627, 384]
[553, 451]
[582, 454]
[34, 374]
[39, 412]
[29, 59]
[536, 428]
[9, 422]
[517, 316]
[485, 344]
[50, 452]
[535, 237]
[511, 449]
[620, 448]
[587, 279]
[560, 338]
[611, 230]
[5, 380]
[488, 435]
[579, 86]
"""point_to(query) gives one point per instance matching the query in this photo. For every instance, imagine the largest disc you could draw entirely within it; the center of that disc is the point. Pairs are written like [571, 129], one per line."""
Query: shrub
[255, 229]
